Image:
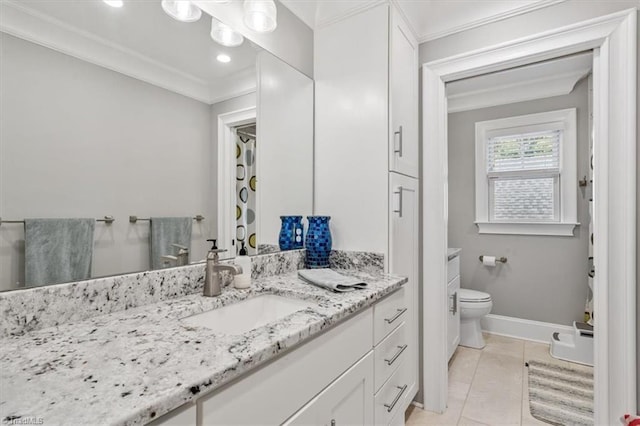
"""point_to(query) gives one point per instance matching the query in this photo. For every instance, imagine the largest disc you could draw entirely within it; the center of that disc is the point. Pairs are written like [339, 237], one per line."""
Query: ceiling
[139, 30]
[429, 19]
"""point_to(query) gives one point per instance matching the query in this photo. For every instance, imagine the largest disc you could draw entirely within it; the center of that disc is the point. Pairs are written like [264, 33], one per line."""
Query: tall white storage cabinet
[366, 150]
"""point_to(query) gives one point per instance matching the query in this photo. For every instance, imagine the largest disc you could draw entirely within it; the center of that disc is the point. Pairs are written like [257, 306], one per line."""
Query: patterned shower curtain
[588, 310]
[246, 193]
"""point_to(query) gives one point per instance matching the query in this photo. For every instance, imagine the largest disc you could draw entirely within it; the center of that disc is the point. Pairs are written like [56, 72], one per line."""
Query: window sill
[529, 228]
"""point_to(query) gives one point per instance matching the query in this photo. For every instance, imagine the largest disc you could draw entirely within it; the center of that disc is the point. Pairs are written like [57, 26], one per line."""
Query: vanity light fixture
[223, 34]
[114, 3]
[181, 10]
[260, 15]
[223, 58]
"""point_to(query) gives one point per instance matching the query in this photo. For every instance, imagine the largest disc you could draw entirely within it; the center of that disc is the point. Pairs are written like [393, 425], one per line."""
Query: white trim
[495, 18]
[359, 8]
[232, 96]
[541, 88]
[535, 331]
[567, 214]
[532, 228]
[614, 39]
[227, 174]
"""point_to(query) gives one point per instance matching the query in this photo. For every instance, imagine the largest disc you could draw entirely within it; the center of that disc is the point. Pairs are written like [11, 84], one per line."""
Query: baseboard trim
[535, 331]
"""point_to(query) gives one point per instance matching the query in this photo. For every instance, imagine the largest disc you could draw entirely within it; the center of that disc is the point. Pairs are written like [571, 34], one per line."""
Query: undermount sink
[248, 314]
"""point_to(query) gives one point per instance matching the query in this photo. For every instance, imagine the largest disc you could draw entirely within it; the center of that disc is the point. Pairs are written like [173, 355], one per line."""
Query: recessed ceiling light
[223, 34]
[114, 3]
[260, 15]
[223, 58]
[181, 10]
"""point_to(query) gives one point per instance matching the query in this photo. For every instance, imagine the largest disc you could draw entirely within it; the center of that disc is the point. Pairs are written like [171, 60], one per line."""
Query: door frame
[227, 174]
[613, 39]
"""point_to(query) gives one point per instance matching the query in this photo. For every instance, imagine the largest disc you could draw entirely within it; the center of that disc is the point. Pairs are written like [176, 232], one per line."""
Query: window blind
[535, 151]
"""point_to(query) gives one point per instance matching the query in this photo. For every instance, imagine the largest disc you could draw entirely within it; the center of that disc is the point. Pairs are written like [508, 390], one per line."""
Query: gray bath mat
[560, 395]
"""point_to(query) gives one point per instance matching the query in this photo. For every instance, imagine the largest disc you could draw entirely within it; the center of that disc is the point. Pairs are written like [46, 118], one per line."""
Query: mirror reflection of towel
[58, 250]
[166, 231]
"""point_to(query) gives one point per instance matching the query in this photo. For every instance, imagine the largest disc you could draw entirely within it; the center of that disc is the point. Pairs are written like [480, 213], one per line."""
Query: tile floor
[488, 386]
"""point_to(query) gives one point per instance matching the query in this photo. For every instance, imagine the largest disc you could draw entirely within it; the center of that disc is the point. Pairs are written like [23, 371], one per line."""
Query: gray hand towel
[166, 231]
[331, 280]
[58, 250]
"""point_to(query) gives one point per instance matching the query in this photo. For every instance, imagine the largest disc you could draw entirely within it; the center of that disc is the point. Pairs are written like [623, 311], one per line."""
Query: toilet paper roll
[489, 260]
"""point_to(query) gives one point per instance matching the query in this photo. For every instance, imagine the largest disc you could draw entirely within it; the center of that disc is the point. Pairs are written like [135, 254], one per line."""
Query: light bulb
[181, 10]
[223, 34]
[114, 3]
[260, 15]
[223, 58]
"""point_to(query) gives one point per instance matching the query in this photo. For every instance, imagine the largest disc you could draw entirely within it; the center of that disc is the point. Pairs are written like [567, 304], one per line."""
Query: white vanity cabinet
[183, 416]
[453, 318]
[356, 373]
[347, 401]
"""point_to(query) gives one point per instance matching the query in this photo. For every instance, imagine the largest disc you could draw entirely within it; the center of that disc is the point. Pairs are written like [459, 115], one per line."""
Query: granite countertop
[132, 366]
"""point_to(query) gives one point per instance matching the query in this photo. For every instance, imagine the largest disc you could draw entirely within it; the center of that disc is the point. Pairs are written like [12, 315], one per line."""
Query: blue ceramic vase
[291, 233]
[318, 242]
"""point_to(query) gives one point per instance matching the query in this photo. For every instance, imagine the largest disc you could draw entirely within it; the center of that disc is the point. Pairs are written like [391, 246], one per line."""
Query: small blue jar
[318, 242]
[291, 237]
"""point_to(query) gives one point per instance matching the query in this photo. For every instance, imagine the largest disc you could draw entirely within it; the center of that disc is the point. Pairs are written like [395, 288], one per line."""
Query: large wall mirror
[124, 114]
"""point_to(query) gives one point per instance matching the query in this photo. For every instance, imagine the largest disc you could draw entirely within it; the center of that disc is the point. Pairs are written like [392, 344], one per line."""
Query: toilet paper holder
[498, 259]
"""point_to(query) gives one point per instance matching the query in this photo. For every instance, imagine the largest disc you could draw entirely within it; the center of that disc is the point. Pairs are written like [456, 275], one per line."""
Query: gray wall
[557, 15]
[79, 140]
[545, 278]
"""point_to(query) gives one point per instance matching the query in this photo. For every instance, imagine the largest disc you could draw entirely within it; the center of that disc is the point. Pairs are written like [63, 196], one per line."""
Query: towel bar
[134, 219]
[107, 219]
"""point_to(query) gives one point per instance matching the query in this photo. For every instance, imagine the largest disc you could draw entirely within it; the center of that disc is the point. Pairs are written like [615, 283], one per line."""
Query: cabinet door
[346, 401]
[404, 241]
[453, 322]
[403, 88]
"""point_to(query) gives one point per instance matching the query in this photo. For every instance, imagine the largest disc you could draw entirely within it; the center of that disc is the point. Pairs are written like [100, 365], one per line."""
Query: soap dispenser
[243, 280]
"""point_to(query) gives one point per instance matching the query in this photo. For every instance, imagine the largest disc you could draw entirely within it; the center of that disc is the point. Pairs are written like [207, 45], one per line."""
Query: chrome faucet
[182, 258]
[212, 277]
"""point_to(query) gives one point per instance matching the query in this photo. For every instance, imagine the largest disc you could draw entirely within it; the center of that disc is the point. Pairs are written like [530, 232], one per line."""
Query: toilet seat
[473, 296]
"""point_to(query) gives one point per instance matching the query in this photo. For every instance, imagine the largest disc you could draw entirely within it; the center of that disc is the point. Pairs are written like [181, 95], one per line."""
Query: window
[526, 174]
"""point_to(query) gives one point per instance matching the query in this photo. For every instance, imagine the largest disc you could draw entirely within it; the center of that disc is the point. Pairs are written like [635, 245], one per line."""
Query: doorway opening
[613, 41]
[233, 127]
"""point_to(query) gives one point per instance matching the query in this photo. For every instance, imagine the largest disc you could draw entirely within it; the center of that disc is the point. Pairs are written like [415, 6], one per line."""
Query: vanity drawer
[388, 314]
[391, 398]
[453, 268]
[390, 354]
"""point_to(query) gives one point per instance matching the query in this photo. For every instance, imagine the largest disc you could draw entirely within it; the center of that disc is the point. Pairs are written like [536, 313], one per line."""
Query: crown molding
[556, 85]
[349, 13]
[27, 24]
[491, 19]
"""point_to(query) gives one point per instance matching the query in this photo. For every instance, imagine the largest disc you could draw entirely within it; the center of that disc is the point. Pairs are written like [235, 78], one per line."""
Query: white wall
[78, 140]
[351, 157]
[284, 145]
[545, 278]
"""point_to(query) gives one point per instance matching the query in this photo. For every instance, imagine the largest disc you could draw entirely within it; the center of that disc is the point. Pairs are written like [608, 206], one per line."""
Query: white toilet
[474, 305]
